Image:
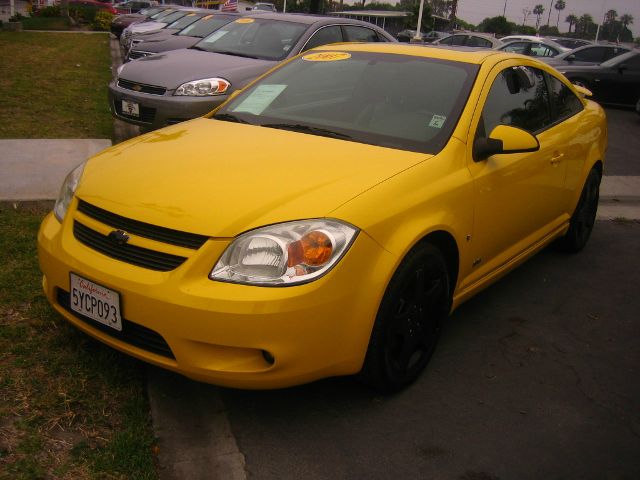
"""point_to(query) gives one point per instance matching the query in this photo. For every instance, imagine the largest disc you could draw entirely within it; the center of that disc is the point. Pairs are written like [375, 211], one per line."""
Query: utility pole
[418, 37]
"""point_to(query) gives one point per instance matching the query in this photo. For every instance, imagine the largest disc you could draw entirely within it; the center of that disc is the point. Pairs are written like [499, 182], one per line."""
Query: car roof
[464, 55]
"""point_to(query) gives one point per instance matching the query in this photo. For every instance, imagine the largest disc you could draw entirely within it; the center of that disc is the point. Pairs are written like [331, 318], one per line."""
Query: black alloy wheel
[584, 216]
[409, 320]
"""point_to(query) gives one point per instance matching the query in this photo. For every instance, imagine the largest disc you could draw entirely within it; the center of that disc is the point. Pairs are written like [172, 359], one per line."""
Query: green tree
[571, 20]
[538, 10]
[559, 6]
[626, 20]
[610, 16]
[497, 25]
[584, 23]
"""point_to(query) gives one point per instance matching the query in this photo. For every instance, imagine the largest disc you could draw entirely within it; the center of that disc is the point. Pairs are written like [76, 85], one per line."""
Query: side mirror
[504, 140]
[570, 58]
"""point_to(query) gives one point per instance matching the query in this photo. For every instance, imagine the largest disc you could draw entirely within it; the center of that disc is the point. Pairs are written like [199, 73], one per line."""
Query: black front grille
[147, 114]
[161, 234]
[141, 87]
[142, 257]
[131, 333]
[135, 54]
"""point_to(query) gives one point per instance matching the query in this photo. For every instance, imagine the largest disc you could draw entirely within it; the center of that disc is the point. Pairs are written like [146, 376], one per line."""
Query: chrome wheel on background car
[409, 320]
[584, 216]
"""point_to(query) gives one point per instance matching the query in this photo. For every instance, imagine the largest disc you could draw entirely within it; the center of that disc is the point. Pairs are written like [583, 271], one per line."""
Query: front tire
[584, 216]
[409, 320]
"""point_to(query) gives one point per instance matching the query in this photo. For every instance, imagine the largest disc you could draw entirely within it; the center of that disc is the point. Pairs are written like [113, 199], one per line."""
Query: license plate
[130, 108]
[96, 302]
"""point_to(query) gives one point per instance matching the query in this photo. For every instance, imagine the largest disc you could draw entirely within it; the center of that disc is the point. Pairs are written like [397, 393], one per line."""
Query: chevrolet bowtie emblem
[119, 236]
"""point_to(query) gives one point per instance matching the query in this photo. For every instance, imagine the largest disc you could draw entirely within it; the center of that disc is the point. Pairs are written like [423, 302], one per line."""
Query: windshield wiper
[235, 54]
[228, 117]
[297, 127]
[195, 47]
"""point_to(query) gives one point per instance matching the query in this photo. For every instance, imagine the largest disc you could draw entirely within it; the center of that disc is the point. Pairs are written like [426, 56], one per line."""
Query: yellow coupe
[325, 220]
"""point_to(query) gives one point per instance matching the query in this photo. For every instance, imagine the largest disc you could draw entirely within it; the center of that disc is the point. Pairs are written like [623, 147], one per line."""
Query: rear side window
[324, 36]
[540, 50]
[517, 47]
[518, 98]
[565, 102]
[478, 42]
[360, 34]
[594, 54]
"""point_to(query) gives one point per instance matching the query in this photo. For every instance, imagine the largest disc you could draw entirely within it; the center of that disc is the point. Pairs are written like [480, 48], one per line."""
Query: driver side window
[518, 98]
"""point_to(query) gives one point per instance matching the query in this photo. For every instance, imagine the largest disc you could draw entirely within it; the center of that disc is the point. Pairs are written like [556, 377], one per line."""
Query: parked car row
[203, 64]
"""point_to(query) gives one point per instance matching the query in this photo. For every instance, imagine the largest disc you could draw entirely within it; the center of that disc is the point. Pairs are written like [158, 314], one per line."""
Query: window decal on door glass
[260, 99]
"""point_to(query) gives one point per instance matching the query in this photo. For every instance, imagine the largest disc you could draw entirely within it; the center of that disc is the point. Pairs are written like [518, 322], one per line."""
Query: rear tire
[584, 216]
[409, 320]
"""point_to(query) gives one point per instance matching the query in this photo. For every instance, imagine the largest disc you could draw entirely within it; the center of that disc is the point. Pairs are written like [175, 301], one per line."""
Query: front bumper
[232, 335]
[157, 111]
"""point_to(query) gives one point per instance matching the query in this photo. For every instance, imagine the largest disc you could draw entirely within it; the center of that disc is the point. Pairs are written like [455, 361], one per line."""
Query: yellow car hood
[220, 178]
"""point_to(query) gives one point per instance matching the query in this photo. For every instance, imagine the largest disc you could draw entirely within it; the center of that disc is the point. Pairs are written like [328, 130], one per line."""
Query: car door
[519, 196]
[620, 83]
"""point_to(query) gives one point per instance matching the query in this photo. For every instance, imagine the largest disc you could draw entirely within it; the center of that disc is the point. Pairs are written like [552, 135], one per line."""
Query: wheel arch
[446, 243]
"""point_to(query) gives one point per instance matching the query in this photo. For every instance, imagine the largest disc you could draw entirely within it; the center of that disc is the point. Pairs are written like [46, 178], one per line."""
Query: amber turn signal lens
[314, 249]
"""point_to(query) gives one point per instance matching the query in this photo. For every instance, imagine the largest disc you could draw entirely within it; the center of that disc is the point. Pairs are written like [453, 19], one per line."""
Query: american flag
[230, 6]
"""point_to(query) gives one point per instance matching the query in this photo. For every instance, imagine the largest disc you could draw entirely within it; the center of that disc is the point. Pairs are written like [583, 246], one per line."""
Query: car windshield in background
[397, 101]
[172, 17]
[161, 14]
[205, 26]
[254, 38]
[185, 21]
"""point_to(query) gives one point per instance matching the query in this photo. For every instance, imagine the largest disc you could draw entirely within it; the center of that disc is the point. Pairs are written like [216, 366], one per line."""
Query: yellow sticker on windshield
[206, 18]
[244, 20]
[326, 56]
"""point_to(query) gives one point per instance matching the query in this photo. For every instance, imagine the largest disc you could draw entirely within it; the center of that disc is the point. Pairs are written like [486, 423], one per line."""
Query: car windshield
[150, 11]
[206, 26]
[397, 101]
[187, 20]
[254, 38]
[171, 17]
[161, 14]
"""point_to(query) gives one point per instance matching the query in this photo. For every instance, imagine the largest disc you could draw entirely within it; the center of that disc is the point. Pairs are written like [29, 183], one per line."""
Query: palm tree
[571, 20]
[538, 10]
[610, 16]
[626, 20]
[584, 21]
[559, 6]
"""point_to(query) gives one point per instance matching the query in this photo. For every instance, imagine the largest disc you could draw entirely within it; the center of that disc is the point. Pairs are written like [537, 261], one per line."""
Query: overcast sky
[474, 11]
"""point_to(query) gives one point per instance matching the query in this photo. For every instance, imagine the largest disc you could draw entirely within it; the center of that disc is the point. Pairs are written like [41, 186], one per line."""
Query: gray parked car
[587, 55]
[469, 39]
[171, 87]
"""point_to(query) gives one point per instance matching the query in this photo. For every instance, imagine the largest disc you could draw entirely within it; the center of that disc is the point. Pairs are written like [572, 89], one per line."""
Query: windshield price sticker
[95, 301]
[326, 56]
[245, 20]
[260, 99]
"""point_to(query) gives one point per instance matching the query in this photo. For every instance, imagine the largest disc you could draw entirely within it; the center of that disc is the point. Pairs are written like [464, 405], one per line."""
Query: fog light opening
[268, 357]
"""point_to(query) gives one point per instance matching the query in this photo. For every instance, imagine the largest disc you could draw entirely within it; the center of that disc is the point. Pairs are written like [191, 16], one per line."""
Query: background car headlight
[67, 191]
[285, 254]
[204, 87]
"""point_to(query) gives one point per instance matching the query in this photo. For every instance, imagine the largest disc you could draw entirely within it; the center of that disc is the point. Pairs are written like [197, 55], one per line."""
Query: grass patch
[46, 23]
[70, 407]
[55, 85]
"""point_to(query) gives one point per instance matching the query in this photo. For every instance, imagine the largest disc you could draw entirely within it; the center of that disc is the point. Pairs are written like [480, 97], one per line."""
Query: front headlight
[204, 87]
[285, 254]
[67, 191]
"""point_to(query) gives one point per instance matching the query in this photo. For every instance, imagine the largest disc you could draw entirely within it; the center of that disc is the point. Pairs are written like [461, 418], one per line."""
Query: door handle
[556, 158]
